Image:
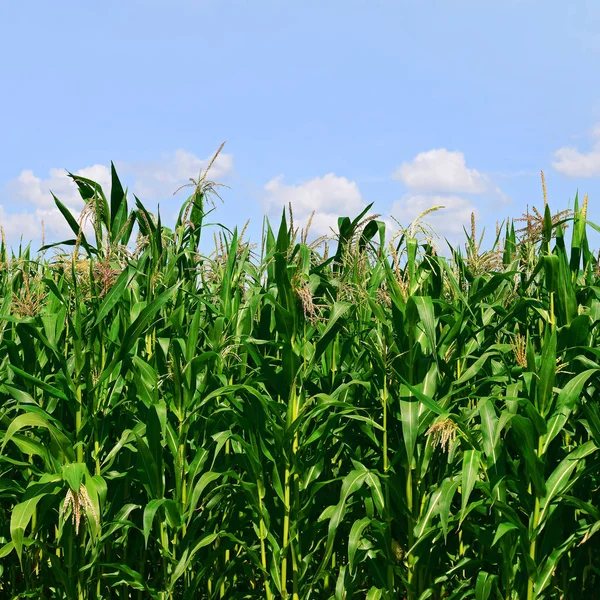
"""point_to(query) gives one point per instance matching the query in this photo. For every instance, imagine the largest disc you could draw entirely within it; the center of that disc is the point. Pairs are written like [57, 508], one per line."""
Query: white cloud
[36, 205]
[28, 225]
[329, 196]
[29, 197]
[571, 162]
[447, 222]
[441, 170]
[35, 191]
[440, 178]
[20, 224]
[158, 179]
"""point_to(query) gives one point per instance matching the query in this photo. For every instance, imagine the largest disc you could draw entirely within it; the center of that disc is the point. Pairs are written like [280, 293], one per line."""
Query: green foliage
[382, 422]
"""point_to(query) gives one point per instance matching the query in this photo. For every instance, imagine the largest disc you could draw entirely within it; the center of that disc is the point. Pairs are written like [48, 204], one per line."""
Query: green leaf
[503, 529]
[39, 383]
[484, 585]
[114, 295]
[338, 311]
[188, 555]
[149, 514]
[559, 479]
[525, 443]
[447, 492]
[23, 512]
[73, 224]
[73, 474]
[356, 534]
[566, 400]
[548, 567]
[489, 427]
[133, 332]
[351, 483]
[205, 480]
[118, 206]
[374, 593]
[38, 420]
[409, 411]
[547, 371]
[470, 473]
[427, 315]
[148, 470]
[432, 508]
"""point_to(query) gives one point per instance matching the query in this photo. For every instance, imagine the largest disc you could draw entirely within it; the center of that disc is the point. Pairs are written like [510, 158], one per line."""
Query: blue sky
[330, 105]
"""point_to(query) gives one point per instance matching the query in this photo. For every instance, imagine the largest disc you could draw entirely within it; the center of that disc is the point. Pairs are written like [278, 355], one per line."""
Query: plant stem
[78, 422]
[386, 467]
[286, 531]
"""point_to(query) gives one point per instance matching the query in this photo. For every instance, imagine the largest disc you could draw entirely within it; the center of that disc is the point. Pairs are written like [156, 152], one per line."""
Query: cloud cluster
[432, 178]
[569, 161]
[435, 177]
[33, 196]
[16, 225]
[448, 221]
[329, 196]
[440, 177]
[158, 179]
[151, 180]
[441, 171]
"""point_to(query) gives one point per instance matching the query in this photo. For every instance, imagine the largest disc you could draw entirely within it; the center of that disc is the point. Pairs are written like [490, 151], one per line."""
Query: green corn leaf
[351, 483]
[23, 512]
[39, 383]
[142, 321]
[470, 473]
[188, 555]
[118, 206]
[432, 508]
[447, 492]
[547, 371]
[547, 569]
[409, 411]
[523, 430]
[489, 428]
[38, 420]
[73, 474]
[559, 479]
[356, 533]
[205, 480]
[484, 585]
[114, 295]
[565, 402]
[73, 224]
[149, 513]
[148, 470]
[503, 529]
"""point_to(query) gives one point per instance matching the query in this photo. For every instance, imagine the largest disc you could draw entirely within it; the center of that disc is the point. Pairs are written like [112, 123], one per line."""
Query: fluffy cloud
[17, 225]
[448, 221]
[329, 196]
[571, 162]
[435, 177]
[27, 225]
[158, 179]
[441, 171]
[151, 180]
[35, 191]
[32, 195]
[440, 178]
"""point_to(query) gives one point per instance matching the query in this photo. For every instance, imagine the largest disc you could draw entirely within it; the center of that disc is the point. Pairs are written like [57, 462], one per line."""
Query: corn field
[358, 418]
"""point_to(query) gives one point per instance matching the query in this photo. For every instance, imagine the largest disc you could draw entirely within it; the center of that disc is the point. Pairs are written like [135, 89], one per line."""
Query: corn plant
[366, 419]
